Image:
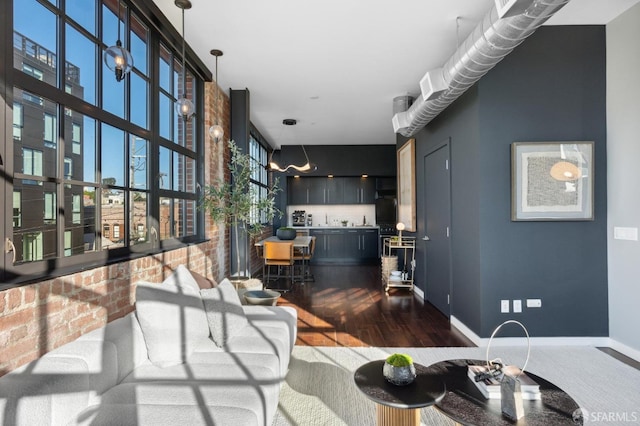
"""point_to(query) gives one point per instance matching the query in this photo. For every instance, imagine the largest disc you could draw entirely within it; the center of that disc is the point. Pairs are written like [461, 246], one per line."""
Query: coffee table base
[390, 416]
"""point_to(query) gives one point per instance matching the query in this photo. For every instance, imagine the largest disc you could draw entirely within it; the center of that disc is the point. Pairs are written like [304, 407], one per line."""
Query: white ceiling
[336, 65]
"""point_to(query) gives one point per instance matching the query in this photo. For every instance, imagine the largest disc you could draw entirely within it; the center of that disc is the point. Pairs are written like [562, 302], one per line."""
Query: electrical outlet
[534, 303]
[517, 305]
[504, 306]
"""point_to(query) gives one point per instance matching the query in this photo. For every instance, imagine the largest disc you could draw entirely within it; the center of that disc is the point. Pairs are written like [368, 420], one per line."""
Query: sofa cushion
[170, 415]
[171, 317]
[224, 312]
[238, 385]
[48, 391]
[202, 281]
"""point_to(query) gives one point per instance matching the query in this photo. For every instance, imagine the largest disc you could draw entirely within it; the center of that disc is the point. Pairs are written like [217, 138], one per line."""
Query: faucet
[326, 219]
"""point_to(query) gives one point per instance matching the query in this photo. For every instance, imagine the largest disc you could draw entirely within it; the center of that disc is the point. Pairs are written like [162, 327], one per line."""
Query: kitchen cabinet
[298, 191]
[361, 245]
[325, 190]
[336, 190]
[345, 245]
[358, 190]
[329, 245]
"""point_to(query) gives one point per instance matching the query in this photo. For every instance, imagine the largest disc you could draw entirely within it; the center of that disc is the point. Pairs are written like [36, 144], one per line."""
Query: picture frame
[552, 181]
[406, 158]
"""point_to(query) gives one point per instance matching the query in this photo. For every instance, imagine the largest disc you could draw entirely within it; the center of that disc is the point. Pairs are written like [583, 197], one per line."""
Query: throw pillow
[171, 317]
[224, 312]
[203, 282]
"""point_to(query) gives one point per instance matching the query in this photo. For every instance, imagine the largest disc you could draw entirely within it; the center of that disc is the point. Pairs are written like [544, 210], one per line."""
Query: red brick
[3, 304]
[18, 349]
[29, 294]
[14, 298]
[11, 320]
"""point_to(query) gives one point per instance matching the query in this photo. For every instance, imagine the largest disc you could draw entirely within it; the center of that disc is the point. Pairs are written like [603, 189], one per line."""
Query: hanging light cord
[217, 90]
[184, 70]
[118, 42]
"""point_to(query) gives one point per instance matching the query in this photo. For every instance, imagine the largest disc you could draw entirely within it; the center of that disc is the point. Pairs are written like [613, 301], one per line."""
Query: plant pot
[286, 234]
[399, 376]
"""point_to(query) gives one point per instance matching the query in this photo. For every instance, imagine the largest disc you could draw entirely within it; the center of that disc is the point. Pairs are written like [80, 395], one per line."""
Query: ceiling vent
[489, 42]
[433, 84]
[507, 8]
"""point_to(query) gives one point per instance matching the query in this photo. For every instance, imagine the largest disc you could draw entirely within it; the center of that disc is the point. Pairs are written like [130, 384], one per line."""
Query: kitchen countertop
[336, 227]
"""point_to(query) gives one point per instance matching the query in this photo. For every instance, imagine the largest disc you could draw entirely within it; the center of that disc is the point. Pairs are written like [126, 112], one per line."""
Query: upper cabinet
[358, 190]
[336, 190]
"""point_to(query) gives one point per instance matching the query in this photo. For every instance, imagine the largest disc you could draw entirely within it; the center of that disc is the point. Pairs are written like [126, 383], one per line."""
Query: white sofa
[112, 376]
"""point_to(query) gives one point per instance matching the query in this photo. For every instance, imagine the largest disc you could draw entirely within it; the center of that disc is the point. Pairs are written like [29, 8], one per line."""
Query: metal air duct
[493, 39]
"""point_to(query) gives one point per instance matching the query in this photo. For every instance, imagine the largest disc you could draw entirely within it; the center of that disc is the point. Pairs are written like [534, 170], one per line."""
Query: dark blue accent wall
[551, 88]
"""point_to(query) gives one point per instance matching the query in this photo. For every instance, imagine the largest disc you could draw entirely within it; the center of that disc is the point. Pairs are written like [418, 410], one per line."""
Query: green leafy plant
[237, 203]
[399, 360]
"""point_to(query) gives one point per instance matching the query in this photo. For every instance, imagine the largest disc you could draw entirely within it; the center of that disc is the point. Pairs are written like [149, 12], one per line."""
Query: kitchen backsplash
[335, 214]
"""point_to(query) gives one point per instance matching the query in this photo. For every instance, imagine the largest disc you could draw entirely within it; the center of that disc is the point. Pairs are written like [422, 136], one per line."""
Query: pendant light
[117, 58]
[216, 131]
[307, 167]
[184, 106]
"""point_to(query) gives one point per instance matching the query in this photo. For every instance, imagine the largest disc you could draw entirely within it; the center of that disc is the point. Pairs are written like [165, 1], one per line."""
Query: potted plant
[399, 369]
[286, 233]
[237, 203]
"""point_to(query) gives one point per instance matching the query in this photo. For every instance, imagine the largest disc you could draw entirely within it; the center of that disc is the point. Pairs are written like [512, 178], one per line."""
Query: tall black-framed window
[259, 176]
[91, 172]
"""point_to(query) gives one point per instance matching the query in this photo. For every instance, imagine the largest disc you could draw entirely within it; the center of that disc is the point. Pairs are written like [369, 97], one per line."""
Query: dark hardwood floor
[347, 306]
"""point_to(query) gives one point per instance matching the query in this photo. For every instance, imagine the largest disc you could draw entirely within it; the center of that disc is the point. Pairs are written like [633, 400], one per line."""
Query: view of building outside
[80, 183]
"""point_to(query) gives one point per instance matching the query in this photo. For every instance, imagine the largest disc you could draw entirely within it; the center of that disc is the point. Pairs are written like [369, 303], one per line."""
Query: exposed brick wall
[36, 318]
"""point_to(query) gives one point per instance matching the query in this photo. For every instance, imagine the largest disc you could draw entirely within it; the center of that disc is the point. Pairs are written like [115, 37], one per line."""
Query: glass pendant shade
[185, 108]
[119, 60]
[216, 132]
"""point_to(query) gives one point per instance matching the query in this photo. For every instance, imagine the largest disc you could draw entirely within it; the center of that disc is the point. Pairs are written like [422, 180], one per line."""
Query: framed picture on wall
[407, 185]
[551, 181]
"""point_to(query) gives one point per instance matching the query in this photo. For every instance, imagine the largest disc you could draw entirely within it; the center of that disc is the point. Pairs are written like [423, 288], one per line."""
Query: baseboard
[417, 292]
[538, 341]
[624, 349]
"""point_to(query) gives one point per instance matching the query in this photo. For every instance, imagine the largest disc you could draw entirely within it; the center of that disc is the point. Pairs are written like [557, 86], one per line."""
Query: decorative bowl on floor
[286, 233]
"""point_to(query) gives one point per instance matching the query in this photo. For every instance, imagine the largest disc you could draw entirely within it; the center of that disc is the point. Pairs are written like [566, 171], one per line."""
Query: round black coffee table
[398, 405]
[464, 403]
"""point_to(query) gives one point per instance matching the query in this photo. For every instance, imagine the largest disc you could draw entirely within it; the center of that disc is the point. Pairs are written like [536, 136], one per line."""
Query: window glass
[50, 130]
[83, 12]
[34, 40]
[165, 168]
[177, 218]
[138, 218]
[76, 138]
[68, 243]
[50, 207]
[165, 68]
[80, 69]
[113, 213]
[68, 168]
[112, 156]
[139, 98]
[17, 209]
[38, 139]
[112, 92]
[18, 122]
[35, 238]
[166, 114]
[139, 41]
[138, 161]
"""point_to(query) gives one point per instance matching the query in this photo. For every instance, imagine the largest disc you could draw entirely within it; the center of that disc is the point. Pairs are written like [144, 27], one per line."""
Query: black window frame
[160, 30]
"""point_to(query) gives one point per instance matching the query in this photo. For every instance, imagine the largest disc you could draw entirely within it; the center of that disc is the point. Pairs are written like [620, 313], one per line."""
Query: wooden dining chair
[279, 254]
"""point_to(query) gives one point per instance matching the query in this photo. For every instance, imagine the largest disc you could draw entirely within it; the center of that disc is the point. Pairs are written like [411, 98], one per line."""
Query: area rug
[319, 387]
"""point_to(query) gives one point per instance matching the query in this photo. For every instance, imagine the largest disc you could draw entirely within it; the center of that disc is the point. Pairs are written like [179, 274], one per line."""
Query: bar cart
[392, 246]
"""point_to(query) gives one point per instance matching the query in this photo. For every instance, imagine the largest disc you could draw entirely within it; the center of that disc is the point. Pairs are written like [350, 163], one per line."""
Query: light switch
[620, 233]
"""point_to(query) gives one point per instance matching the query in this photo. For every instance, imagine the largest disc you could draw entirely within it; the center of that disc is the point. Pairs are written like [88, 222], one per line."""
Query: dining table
[302, 242]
